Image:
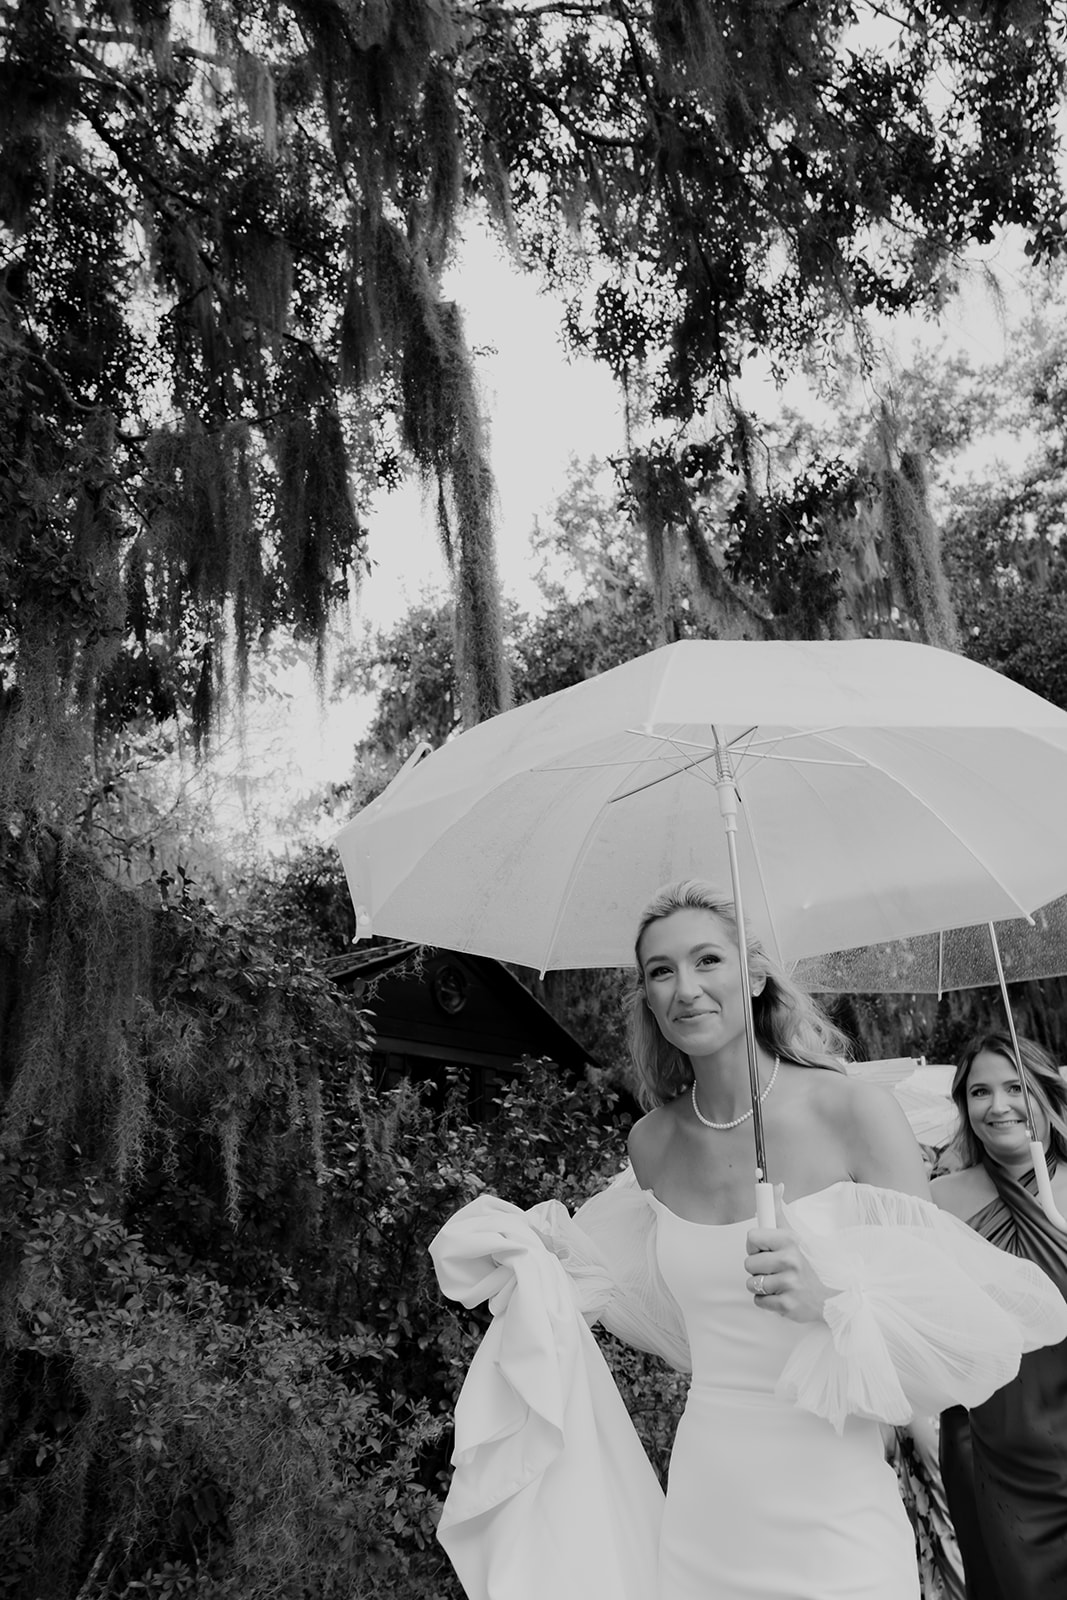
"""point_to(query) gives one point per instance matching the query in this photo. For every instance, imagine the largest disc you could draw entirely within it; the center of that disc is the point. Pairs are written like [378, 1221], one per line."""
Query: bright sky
[542, 409]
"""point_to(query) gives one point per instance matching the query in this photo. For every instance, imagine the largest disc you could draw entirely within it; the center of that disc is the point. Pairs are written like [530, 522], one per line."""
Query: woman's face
[995, 1108]
[692, 975]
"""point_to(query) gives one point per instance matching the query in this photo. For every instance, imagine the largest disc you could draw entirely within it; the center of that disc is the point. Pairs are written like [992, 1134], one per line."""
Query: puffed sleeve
[925, 1314]
[552, 1492]
[608, 1252]
[620, 1225]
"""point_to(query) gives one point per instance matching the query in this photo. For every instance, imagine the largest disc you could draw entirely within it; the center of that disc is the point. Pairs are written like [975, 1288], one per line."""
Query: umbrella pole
[1037, 1149]
[727, 792]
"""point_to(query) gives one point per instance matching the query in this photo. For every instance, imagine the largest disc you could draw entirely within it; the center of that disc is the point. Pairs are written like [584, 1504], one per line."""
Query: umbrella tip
[364, 926]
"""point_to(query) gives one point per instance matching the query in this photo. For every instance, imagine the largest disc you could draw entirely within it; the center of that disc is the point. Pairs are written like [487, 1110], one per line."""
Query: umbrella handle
[765, 1213]
[1044, 1187]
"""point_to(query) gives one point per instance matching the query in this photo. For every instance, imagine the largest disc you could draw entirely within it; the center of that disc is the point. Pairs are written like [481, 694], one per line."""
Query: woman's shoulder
[650, 1139]
[867, 1127]
[836, 1100]
[963, 1192]
[840, 1093]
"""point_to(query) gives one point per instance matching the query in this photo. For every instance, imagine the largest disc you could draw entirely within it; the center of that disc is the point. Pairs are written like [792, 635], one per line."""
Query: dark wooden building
[436, 1008]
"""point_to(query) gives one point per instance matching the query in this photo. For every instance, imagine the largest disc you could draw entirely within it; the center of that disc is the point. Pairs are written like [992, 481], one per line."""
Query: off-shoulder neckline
[742, 1222]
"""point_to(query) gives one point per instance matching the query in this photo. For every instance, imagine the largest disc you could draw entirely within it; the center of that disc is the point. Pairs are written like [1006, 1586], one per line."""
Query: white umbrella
[885, 789]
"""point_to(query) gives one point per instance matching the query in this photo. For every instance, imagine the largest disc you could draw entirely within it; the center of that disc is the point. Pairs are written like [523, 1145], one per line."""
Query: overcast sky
[541, 407]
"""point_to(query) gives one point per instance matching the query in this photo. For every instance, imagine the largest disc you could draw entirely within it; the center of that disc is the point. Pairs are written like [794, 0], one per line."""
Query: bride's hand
[780, 1277]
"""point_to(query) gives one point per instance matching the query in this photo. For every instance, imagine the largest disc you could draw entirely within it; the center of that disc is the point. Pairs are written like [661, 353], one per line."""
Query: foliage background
[224, 1367]
[227, 1369]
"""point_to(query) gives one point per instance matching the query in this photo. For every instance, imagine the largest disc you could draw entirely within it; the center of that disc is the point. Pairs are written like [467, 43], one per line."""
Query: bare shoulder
[847, 1098]
[830, 1098]
[963, 1192]
[835, 1087]
[875, 1135]
[650, 1140]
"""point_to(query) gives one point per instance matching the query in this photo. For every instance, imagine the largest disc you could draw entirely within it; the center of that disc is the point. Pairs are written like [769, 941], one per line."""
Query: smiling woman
[692, 1154]
[1004, 1463]
[989, 1098]
[692, 982]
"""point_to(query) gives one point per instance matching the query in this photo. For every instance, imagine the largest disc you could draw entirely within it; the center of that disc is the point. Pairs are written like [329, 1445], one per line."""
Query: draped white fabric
[552, 1493]
[928, 1314]
[617, 1228]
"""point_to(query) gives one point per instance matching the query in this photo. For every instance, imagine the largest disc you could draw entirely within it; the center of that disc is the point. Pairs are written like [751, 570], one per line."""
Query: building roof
[421, 997]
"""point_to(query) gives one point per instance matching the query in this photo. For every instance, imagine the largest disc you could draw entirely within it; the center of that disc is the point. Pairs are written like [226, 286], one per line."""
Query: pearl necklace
[721, 1127]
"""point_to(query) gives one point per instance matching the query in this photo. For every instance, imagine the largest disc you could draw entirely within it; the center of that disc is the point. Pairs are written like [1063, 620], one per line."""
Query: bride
[765, 1499]
[862, 1305]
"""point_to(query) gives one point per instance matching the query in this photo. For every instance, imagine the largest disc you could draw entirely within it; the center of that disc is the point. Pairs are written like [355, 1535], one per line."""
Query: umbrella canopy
[886, 789]
[956, 958]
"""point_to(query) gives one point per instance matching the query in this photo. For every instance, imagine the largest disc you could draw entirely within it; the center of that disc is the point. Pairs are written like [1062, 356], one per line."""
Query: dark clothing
[1004, 1464]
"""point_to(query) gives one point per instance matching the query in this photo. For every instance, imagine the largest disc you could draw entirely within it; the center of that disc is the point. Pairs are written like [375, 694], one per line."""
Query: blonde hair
[1042, 1078]
[788, 1021]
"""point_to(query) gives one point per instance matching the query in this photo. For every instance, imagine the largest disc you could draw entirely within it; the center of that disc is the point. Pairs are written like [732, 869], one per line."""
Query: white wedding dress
[766, 1501]
[778, 1487]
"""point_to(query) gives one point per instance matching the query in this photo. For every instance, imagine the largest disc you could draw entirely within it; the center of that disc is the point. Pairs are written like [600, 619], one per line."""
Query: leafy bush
[225, 1365]
[259, 1424]
[161, 1436]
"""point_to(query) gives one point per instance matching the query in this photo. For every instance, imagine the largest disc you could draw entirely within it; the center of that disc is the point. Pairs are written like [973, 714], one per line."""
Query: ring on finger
[759, 1285]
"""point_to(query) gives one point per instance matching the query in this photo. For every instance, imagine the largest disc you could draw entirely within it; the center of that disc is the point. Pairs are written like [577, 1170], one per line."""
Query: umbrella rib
[564, 899]
[696, 768]
[664, 777]
[603, 766]
[700, 761]
[934, 811]
[676, 772]
[681, 747]
[587, 839]
[796, 733]
[677, 741]
[799, 761]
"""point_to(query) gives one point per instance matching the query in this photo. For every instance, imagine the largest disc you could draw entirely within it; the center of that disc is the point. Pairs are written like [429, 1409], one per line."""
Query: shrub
[225, 1365]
